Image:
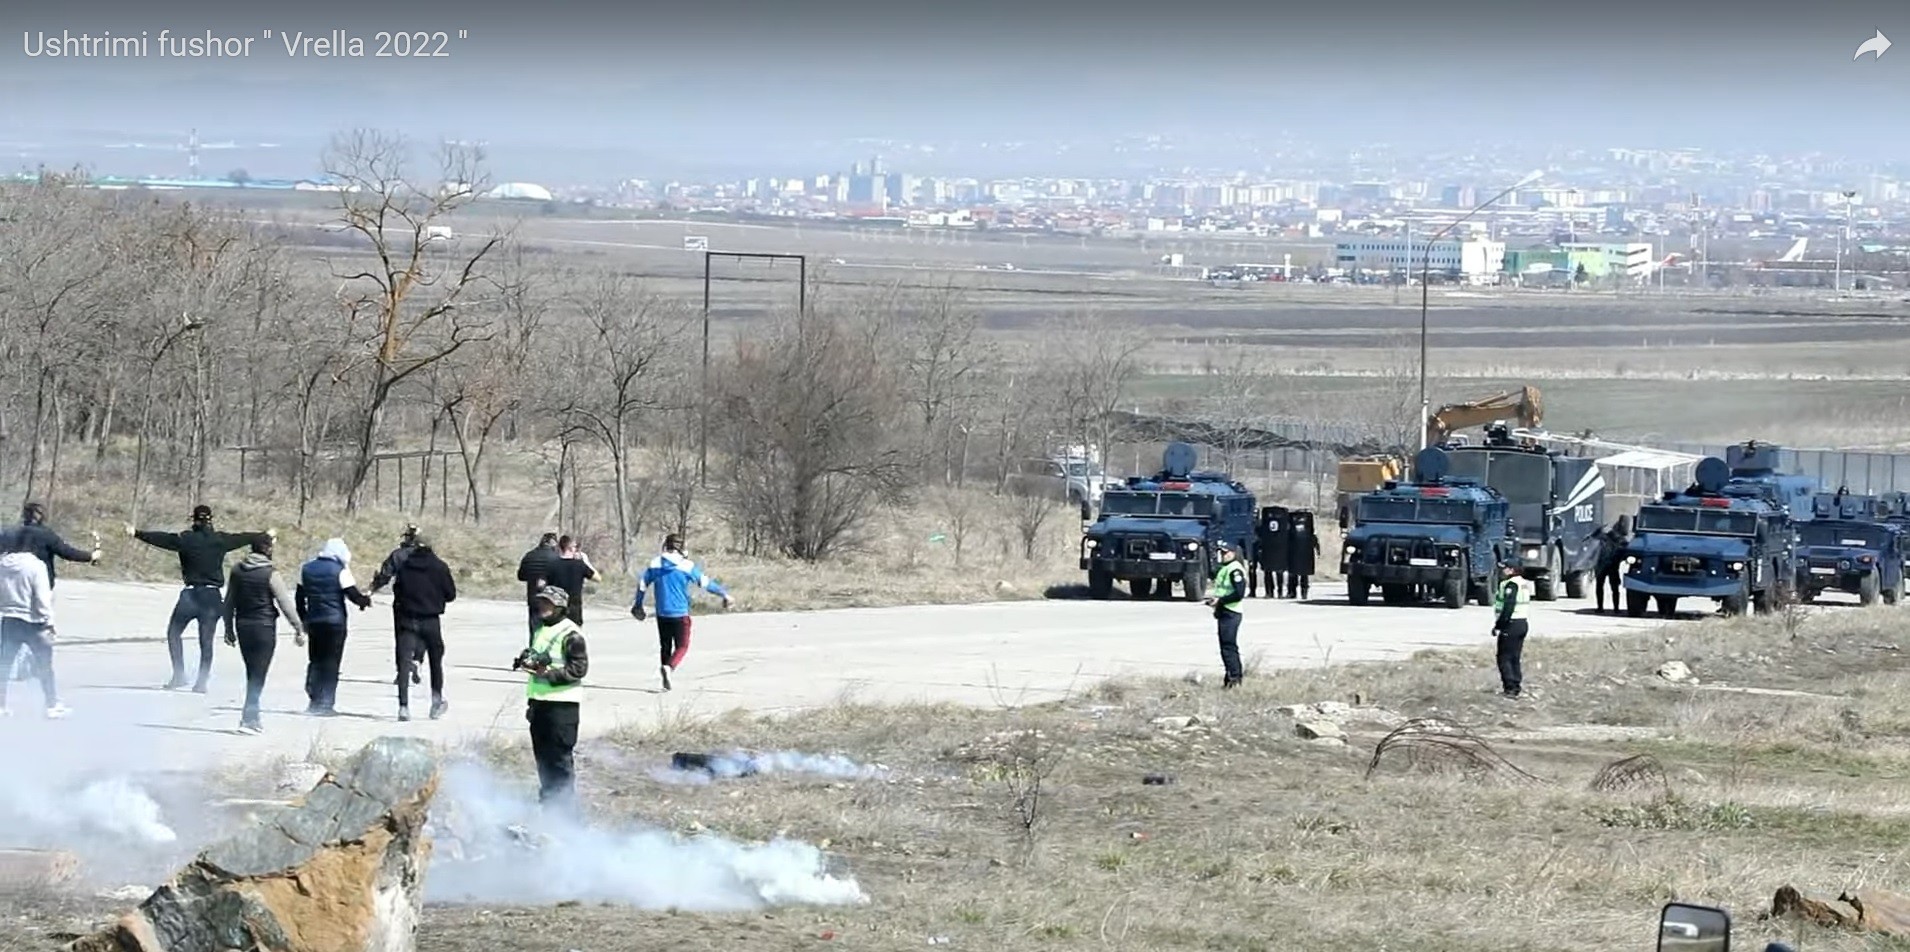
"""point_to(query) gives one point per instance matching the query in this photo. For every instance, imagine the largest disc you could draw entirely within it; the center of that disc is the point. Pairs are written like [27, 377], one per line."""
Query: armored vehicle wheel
[1193, 586]
[1668, 605]
[1546, 589]
[1358, 590]
[1575, 585]
[1734, 605]
[1635, 604]
[1894, 593]
[1141, 587]
[1455, 589]
[1100, 583]
[1868, 590]
[1480, 593]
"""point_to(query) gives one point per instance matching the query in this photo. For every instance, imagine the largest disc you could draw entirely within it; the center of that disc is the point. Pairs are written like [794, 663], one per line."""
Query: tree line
[144, 335]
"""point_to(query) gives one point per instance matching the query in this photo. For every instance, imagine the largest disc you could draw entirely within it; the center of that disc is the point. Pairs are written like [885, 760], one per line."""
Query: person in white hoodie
[26, 616]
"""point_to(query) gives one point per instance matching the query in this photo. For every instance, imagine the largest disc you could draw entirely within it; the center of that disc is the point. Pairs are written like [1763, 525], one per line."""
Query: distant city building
[1475, 259]
[521, 191]
[1633, 258]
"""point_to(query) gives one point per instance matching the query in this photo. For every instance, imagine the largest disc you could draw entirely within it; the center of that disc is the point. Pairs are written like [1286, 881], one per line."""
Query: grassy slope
[1269, 842]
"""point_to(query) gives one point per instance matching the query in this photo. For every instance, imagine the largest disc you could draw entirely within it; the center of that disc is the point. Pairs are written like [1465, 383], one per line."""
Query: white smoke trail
[116, 806]
[504, 849]
[739, 763]
[103, 813]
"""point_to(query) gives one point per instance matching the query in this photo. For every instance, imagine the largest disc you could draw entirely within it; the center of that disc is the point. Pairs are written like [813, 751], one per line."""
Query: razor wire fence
[1309, 452]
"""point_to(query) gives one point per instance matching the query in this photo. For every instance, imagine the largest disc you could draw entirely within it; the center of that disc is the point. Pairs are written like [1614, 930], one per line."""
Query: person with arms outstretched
[672, 574]
[37, 537]
[202, 550]
[26, 616]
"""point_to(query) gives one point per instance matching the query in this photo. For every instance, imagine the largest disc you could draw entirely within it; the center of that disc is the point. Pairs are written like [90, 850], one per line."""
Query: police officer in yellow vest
[1224, 595]
[1509, 603]
[556, 662]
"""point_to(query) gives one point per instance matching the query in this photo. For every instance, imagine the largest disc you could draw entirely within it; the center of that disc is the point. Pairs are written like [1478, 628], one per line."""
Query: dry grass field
[1036, 828]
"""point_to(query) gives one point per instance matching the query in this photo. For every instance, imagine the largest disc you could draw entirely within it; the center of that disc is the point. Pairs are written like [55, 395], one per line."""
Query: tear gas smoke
[702, 768]
[495, 846]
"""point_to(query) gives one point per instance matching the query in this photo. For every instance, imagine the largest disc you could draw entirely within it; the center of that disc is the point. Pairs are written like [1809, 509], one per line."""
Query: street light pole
[1425, 288]
[1843, 238]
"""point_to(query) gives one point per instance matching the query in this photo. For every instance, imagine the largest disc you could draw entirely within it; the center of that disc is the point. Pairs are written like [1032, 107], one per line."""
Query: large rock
[339, 870]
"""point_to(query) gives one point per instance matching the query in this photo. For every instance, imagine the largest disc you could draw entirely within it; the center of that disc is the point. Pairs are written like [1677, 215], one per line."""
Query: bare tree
[411, 305]
[946, 365]
[627, 359]
[1237, 400]
[813, 427]
[1094, 362]
[1031, 512]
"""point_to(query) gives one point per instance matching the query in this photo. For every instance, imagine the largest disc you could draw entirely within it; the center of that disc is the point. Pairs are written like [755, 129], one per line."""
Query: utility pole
[1843, 238]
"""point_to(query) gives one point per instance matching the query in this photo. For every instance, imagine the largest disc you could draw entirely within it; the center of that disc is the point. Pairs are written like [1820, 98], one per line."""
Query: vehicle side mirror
[1687, 928]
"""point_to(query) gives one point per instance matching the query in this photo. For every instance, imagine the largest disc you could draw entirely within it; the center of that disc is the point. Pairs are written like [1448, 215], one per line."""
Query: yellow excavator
[1363, 474]
[1522, 405]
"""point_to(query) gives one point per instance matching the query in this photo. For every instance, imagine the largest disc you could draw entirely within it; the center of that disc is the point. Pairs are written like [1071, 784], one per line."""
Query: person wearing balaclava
[202, 550]
[325, 585]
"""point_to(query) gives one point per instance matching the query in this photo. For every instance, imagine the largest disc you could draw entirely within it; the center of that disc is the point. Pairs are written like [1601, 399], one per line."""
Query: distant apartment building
[1632, 258]
[1474, 259]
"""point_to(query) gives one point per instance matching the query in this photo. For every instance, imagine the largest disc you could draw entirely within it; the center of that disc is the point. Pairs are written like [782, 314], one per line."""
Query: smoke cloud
[702, 768]
[495, 846]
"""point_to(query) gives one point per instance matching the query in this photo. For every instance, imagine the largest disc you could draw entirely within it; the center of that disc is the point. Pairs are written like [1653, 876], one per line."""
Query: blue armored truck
[1558, 504]
[1722, 539]
[1440, 533]
[1752, 463]
[1851, 546]
[1158, 530]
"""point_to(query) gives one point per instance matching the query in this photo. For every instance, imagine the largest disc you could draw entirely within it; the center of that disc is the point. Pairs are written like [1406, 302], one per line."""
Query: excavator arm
[1523, 405]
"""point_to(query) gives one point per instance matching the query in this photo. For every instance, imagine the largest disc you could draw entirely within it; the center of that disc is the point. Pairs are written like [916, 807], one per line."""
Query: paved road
[111, 661]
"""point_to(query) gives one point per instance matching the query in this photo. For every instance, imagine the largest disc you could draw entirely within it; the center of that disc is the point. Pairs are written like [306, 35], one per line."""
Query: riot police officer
[1303, 550]
[1270, 550]
[1509, 607]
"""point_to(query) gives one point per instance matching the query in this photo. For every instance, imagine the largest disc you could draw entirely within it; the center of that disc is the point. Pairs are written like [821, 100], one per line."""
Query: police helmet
[554, 596]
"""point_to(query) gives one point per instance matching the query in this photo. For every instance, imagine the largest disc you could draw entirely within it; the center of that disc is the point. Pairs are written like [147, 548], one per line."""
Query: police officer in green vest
[1224, 595]
[1509, 603]
[556, 664]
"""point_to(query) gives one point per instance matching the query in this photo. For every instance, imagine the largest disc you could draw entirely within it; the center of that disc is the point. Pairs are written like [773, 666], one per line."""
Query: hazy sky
[749, 82]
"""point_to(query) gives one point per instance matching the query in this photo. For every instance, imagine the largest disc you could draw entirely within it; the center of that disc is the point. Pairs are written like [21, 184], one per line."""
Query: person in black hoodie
[33, 535]
[256, 598]
[202, 551]
[388, 570]
[421, 590]
[535, 570]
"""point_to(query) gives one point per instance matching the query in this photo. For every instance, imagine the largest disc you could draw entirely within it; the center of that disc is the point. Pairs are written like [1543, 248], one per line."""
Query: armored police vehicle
[1440, 533]
[1849, 546]
[1158, 530]
[1722, 539]
[1558, 503]
[1755, 464]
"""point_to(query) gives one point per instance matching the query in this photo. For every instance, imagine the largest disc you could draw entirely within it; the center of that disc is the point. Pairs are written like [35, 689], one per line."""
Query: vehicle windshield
[1157, 504]
[1409, 509]
[1854, 534]
[1082, 470]
[1522, 478]
[1702, 519]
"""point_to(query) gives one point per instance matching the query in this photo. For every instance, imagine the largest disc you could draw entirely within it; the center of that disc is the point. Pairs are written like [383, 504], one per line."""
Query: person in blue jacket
[672, 573]
[325, 585]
